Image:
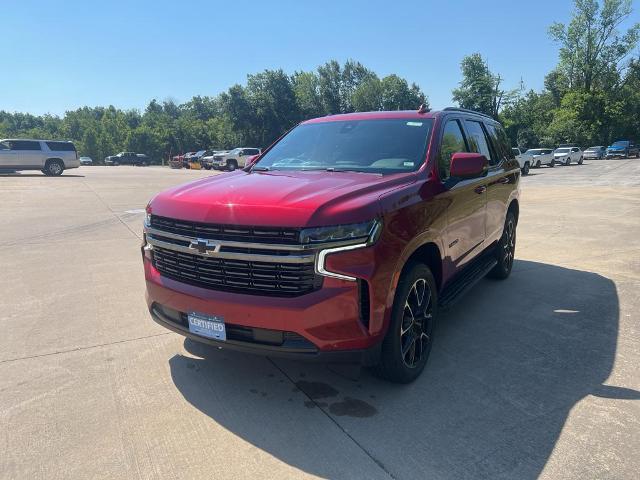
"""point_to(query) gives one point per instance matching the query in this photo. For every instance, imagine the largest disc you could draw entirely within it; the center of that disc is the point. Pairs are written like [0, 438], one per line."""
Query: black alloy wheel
[407, 343]
[506, 249]
[417, 324]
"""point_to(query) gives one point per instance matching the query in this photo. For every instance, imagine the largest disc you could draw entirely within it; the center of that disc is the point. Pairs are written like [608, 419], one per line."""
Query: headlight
[337, 233]
[147, 217]
[358, 235]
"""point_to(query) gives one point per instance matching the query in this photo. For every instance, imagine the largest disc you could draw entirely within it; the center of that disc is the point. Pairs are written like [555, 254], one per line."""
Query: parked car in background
[595, 153]
[540, 156]
[51, 157]
[523, 160]
[564, 155]
[127, 158]
[176, 161]
[207, 160]
[186, 158]
[623, 149]
[236, 158]
[86, 161]
[342, 243]
[192, 159]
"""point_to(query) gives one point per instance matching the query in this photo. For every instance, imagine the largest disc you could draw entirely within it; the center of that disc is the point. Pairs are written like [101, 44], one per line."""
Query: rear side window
[61, 146]
[25, 145]
[251, 151]
[478, 141]
[452, 142]
[500, 141]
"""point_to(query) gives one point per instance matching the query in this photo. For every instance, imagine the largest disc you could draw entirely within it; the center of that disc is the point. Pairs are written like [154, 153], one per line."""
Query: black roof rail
[466, 110]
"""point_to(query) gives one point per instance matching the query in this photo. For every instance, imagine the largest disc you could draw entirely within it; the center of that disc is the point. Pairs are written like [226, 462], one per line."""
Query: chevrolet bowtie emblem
[204, 246]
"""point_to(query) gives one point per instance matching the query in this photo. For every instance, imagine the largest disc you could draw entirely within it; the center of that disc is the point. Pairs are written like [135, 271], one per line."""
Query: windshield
[563, 150]
[376, 146]
[235, 151]
[593, 149]
[534, 151]
[620, 144]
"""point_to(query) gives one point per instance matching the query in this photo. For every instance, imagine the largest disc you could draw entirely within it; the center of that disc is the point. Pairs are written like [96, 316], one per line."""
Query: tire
[538, 164]
[505, 249]
[407, 344]
[580, 161]
[232, 165]
[53, 168]
[525, 169]
[567, 162]
[552, 164]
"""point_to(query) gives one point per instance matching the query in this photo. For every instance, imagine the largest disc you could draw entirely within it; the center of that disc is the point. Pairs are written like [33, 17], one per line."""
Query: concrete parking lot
[533, 377]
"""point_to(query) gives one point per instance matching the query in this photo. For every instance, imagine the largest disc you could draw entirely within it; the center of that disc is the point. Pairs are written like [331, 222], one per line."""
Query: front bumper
[260, 342]
[621, 154]
[328, 319]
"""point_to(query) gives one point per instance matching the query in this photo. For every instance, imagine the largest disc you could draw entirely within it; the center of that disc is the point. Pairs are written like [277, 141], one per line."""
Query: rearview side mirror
[468, 165]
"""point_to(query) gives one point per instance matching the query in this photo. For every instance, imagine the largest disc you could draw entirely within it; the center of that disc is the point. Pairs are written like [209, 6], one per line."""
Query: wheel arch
[429, 254]
[514, 207]
[52, 159]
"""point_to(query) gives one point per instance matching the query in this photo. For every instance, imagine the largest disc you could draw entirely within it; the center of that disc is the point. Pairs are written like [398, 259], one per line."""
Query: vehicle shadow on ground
[509, 363]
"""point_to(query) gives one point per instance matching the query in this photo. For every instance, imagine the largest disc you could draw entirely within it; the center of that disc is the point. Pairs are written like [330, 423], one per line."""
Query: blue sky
[59, 55]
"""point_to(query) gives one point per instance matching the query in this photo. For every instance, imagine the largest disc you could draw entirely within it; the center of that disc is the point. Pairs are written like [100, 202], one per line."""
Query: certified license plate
[207, 326]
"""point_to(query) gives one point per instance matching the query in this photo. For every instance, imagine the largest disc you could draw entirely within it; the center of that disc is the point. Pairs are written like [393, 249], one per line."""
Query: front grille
[226, 232]
[238, 276]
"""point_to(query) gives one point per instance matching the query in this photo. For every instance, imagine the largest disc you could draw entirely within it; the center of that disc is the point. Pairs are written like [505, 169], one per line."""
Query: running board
[465, 280]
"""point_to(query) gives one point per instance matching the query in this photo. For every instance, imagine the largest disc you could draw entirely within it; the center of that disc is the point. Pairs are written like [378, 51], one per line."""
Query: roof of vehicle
[408, 114]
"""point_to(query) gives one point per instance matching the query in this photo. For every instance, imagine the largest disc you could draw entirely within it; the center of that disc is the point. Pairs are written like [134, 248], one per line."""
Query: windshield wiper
[260, 169]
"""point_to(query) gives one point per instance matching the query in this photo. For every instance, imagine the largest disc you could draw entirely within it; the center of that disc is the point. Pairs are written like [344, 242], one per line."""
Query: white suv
[236, 158]
[566, 155]
[51, 157]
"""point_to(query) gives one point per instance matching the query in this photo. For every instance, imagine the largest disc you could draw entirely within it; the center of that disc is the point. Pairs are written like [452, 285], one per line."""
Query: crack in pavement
[88, 347]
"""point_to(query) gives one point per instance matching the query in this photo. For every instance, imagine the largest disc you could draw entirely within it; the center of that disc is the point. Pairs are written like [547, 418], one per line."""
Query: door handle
[504, 180]
[480, 189]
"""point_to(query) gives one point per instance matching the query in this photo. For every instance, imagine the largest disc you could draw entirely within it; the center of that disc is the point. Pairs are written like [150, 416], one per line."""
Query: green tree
[592, 50]
[479, 89]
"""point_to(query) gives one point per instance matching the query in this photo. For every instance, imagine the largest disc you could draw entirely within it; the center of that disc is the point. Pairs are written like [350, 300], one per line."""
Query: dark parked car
[623, 149]
[127, 158]
[341, 242]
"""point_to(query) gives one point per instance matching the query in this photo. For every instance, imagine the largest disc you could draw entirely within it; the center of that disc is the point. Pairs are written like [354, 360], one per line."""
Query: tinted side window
[61, 146]
[452, 142]
[478, 140]
[252, 151]
[500, 141]
[25, 145]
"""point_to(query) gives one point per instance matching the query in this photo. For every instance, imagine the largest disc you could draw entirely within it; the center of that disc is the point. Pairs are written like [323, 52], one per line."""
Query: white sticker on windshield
[408, 164]
[414, 124]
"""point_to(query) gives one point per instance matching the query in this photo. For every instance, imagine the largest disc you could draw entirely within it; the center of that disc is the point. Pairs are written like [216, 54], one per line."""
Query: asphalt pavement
[533, 377]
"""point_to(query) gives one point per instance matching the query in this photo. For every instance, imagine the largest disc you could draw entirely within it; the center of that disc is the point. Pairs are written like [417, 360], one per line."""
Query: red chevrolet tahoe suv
[341, 241]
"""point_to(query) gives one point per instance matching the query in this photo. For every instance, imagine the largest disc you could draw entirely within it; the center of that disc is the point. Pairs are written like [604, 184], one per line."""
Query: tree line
[252, 115]
[591, 97]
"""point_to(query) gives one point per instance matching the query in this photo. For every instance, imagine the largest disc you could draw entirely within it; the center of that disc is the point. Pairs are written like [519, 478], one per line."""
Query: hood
[284, 199]
[617, 147]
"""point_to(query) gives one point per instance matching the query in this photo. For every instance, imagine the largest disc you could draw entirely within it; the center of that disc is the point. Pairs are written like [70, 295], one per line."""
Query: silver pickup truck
[51, 157]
